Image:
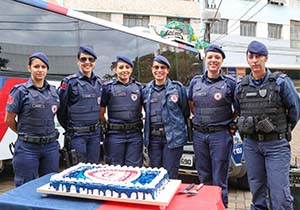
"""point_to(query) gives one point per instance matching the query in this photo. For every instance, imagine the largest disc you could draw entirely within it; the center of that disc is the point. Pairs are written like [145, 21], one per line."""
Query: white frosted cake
[115, 181]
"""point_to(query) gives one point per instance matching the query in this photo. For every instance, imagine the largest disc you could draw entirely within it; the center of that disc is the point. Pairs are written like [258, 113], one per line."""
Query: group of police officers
[266, 103]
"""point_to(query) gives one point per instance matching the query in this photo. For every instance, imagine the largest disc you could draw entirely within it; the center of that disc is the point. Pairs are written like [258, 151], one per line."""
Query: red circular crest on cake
[112, 175]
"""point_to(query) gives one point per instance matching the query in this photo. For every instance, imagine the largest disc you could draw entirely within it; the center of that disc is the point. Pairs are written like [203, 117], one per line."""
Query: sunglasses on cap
[84, 59]
[161, 67]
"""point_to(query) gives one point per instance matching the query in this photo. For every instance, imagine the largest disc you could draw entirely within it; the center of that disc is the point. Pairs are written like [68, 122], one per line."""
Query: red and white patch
[174, 98]
[134, 96]
[112, 175]
[217, 96]
[10, 99]
[63, 85]
[54, 109]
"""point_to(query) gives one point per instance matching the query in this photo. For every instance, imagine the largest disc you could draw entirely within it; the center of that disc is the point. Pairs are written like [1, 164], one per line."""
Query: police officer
[167, 111]
[211, 97]
[35, 102]
[80, 96]
[122, 98]
[269, 110]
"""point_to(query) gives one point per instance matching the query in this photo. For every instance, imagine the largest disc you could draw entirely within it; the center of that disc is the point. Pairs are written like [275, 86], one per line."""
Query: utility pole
[209, 14]
[207, 26]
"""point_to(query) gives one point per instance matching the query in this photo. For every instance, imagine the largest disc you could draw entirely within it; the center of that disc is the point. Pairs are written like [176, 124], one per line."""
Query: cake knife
[185, 190]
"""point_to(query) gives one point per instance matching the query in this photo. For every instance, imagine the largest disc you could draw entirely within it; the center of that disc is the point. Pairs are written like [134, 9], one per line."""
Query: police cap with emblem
[215, 48]
[88, 50]
[163, 60]
[40, 56]
[257, 48]
[124, 59]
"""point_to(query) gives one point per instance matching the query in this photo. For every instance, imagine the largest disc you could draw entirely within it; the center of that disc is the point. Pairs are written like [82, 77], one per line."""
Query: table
[25, 197]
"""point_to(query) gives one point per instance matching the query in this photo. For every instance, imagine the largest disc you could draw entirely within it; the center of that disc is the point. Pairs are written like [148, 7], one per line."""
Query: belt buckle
[205, 129]
[260, 137]
[43, 140]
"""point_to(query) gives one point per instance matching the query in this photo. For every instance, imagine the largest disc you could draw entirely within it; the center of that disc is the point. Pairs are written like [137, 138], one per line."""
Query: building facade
[274, 22]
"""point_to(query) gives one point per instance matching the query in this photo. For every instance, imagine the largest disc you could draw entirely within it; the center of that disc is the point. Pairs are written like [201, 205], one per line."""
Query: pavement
[238, 199]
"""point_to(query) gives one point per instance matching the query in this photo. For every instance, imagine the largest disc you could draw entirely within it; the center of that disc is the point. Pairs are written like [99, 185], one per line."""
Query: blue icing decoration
[146, 177]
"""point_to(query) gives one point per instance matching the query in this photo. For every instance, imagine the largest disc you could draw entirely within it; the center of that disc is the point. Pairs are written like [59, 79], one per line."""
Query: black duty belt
[210, 129]
[90, 128]
[125, 126]
[39, 139]
[160, 132]
[267, 137]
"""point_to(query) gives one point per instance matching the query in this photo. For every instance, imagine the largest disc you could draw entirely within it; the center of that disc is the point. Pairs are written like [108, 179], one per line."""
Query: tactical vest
[87, 106]
[156, 107]
[125, 103]
[39, 111]
[210, 103]
[263, 102]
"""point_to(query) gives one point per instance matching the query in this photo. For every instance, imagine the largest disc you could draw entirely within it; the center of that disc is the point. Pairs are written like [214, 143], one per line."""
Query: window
[274, 31]
[135, 20]
[247, 28]
[220, 27]
[295, 34]
[184, 20]
[105, 16]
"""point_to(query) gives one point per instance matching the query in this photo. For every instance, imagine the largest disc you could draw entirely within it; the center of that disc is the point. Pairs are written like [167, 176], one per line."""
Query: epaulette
[138, 83]
[70, 77]
[19, 85]
[177, 83]
[197, 77]
[229, 77]
[107, 82]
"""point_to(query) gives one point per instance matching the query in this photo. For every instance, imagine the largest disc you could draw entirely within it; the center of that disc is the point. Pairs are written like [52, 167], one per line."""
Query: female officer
[122, 98]
[80, 97]
[35, 102]
[167, 111]
[211, 98]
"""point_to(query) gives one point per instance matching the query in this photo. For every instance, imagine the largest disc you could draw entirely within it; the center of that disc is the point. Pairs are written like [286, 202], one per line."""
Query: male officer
[80, 97]
[211, 98]
[269, 110]
[167, 111]
[122, 98]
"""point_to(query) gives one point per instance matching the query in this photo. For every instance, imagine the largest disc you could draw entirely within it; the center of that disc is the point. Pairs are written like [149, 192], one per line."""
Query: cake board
[163, 199]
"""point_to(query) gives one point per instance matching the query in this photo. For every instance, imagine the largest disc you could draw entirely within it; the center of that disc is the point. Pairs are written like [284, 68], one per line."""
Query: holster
[69, 155]
[246, 125]
[189, 130]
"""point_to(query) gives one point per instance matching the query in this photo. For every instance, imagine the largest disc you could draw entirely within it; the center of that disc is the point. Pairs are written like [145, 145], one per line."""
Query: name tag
[39, 106]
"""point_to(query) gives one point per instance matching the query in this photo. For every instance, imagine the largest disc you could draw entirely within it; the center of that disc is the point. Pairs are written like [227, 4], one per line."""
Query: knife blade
[189, 187]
